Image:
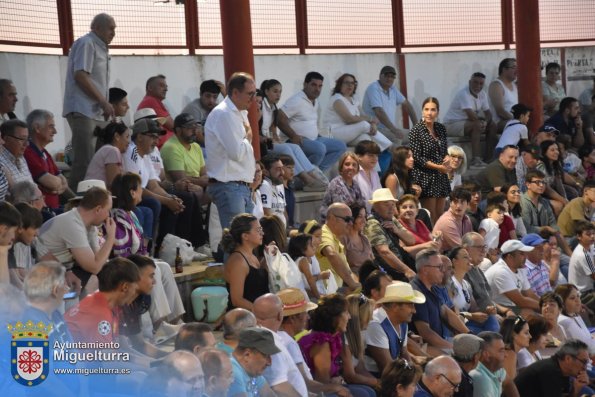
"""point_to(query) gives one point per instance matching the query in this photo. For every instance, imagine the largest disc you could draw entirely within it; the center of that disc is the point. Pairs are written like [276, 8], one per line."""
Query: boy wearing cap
[386, 340]
[582, 263]
[510, 287]
[381, 101]
[249, 360]
[536, 270]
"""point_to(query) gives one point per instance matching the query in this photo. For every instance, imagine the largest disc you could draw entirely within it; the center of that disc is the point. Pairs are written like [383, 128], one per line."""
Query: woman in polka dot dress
[430, 171]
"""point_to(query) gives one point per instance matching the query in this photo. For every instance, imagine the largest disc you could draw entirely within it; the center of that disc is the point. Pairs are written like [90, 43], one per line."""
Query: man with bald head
[234, 322]
[218, 375]
[86, 92]
[500, 171]
[178, 374]
[283, 375]
[442, 377]
[331, 252]
[155, 92]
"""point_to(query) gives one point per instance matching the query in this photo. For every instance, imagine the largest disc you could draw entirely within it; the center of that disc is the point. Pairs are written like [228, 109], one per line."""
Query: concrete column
[528, 57]
[238, 54]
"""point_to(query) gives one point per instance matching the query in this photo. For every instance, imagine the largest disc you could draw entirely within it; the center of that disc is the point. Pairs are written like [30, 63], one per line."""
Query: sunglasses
[346, 219]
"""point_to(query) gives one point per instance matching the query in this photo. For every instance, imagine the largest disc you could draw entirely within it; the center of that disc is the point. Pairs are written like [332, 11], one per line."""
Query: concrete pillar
[528, 57]
[238, 54]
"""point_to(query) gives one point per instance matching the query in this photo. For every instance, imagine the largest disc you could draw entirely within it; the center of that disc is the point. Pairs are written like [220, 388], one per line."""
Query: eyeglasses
[438, 267]
[515, 192]
[584, 362]
[346, 219]
[259, 230]
[18, 138]
[456, 156]
[538, 183]
[481, 247]
[251, 94]
[455, 386]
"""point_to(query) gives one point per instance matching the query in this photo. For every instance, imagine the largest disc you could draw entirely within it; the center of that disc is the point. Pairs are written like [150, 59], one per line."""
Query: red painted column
[238, 54]
[528, 57]
[65, 25]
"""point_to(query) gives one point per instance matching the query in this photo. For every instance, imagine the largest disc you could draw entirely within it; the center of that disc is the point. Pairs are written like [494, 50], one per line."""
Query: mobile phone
[70, 295]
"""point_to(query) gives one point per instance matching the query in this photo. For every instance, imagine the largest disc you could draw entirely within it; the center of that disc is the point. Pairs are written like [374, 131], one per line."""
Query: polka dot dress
[425, 148]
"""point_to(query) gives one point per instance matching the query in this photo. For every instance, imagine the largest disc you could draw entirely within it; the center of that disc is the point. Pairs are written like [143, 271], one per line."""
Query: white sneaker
[165, 332]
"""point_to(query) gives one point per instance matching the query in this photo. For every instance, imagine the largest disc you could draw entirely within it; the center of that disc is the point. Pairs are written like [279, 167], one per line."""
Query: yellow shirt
[177, 158]
[329, 239]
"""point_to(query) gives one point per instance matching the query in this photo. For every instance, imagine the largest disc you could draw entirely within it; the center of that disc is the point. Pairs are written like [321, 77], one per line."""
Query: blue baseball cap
[533, 240]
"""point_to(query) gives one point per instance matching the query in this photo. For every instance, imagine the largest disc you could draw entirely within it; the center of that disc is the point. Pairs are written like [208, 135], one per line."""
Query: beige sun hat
[295, 302]
[84, 186]
[401, 292]
[148, 113]
[383, 194]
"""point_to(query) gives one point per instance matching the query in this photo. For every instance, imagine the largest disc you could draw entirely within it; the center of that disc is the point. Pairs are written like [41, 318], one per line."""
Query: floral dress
[339, 192]
[425, 148]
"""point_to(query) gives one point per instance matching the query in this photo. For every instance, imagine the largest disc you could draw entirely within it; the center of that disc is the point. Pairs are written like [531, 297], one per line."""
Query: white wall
[40, 78]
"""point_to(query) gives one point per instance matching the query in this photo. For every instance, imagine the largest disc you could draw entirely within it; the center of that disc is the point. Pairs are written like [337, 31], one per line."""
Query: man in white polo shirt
[298, 122]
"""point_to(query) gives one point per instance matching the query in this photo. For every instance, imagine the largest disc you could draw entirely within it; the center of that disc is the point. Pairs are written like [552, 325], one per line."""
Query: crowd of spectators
[485, 282]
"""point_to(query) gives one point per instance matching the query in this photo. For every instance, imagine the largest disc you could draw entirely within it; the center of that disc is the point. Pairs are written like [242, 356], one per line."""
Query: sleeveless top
[511, 98]
[395, 343]
[255, 285]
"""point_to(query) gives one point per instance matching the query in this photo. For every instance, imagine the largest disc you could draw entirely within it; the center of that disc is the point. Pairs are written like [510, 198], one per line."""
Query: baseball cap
[148, 113]
[466, 345]
[533, 150]
[533, 239]
[388, 69]
[184, 120]
[147, 126]
[549, 129]
[258, 339]
[514, 245]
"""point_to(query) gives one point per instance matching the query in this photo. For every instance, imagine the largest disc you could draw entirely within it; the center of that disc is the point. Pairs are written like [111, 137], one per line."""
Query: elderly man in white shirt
[228, 144]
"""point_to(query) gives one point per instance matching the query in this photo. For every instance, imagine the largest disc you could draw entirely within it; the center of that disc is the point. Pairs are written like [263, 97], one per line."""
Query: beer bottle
[179, 266]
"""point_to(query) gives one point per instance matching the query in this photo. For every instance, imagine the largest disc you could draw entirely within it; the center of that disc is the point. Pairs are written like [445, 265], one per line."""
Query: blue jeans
[231, 199]
[155, 207]
[302, 164]
[145, 218]
[491, 324]
[323, 152]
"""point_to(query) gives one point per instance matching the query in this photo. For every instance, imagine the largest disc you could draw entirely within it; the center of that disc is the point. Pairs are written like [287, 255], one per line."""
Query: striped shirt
[3, 185]
[538, 276]
[581, 268]
[15, 168]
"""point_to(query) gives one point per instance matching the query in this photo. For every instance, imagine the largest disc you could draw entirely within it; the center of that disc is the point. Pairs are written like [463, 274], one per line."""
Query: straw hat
[381, 195]
[295, 302]
[401, 292]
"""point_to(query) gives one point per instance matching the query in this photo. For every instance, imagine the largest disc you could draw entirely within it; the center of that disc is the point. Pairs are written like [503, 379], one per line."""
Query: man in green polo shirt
[184, 165]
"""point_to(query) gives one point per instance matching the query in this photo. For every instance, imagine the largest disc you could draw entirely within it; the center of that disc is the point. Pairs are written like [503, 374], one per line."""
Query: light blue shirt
[244, 383]
[487, 383]
[376, 97]
[90, 54]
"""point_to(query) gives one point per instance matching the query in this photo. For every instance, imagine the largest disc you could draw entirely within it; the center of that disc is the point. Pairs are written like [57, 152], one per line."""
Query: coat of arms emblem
[29, 352]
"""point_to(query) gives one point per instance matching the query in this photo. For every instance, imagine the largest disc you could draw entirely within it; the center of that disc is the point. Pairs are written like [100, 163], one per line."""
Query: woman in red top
[408, 207]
